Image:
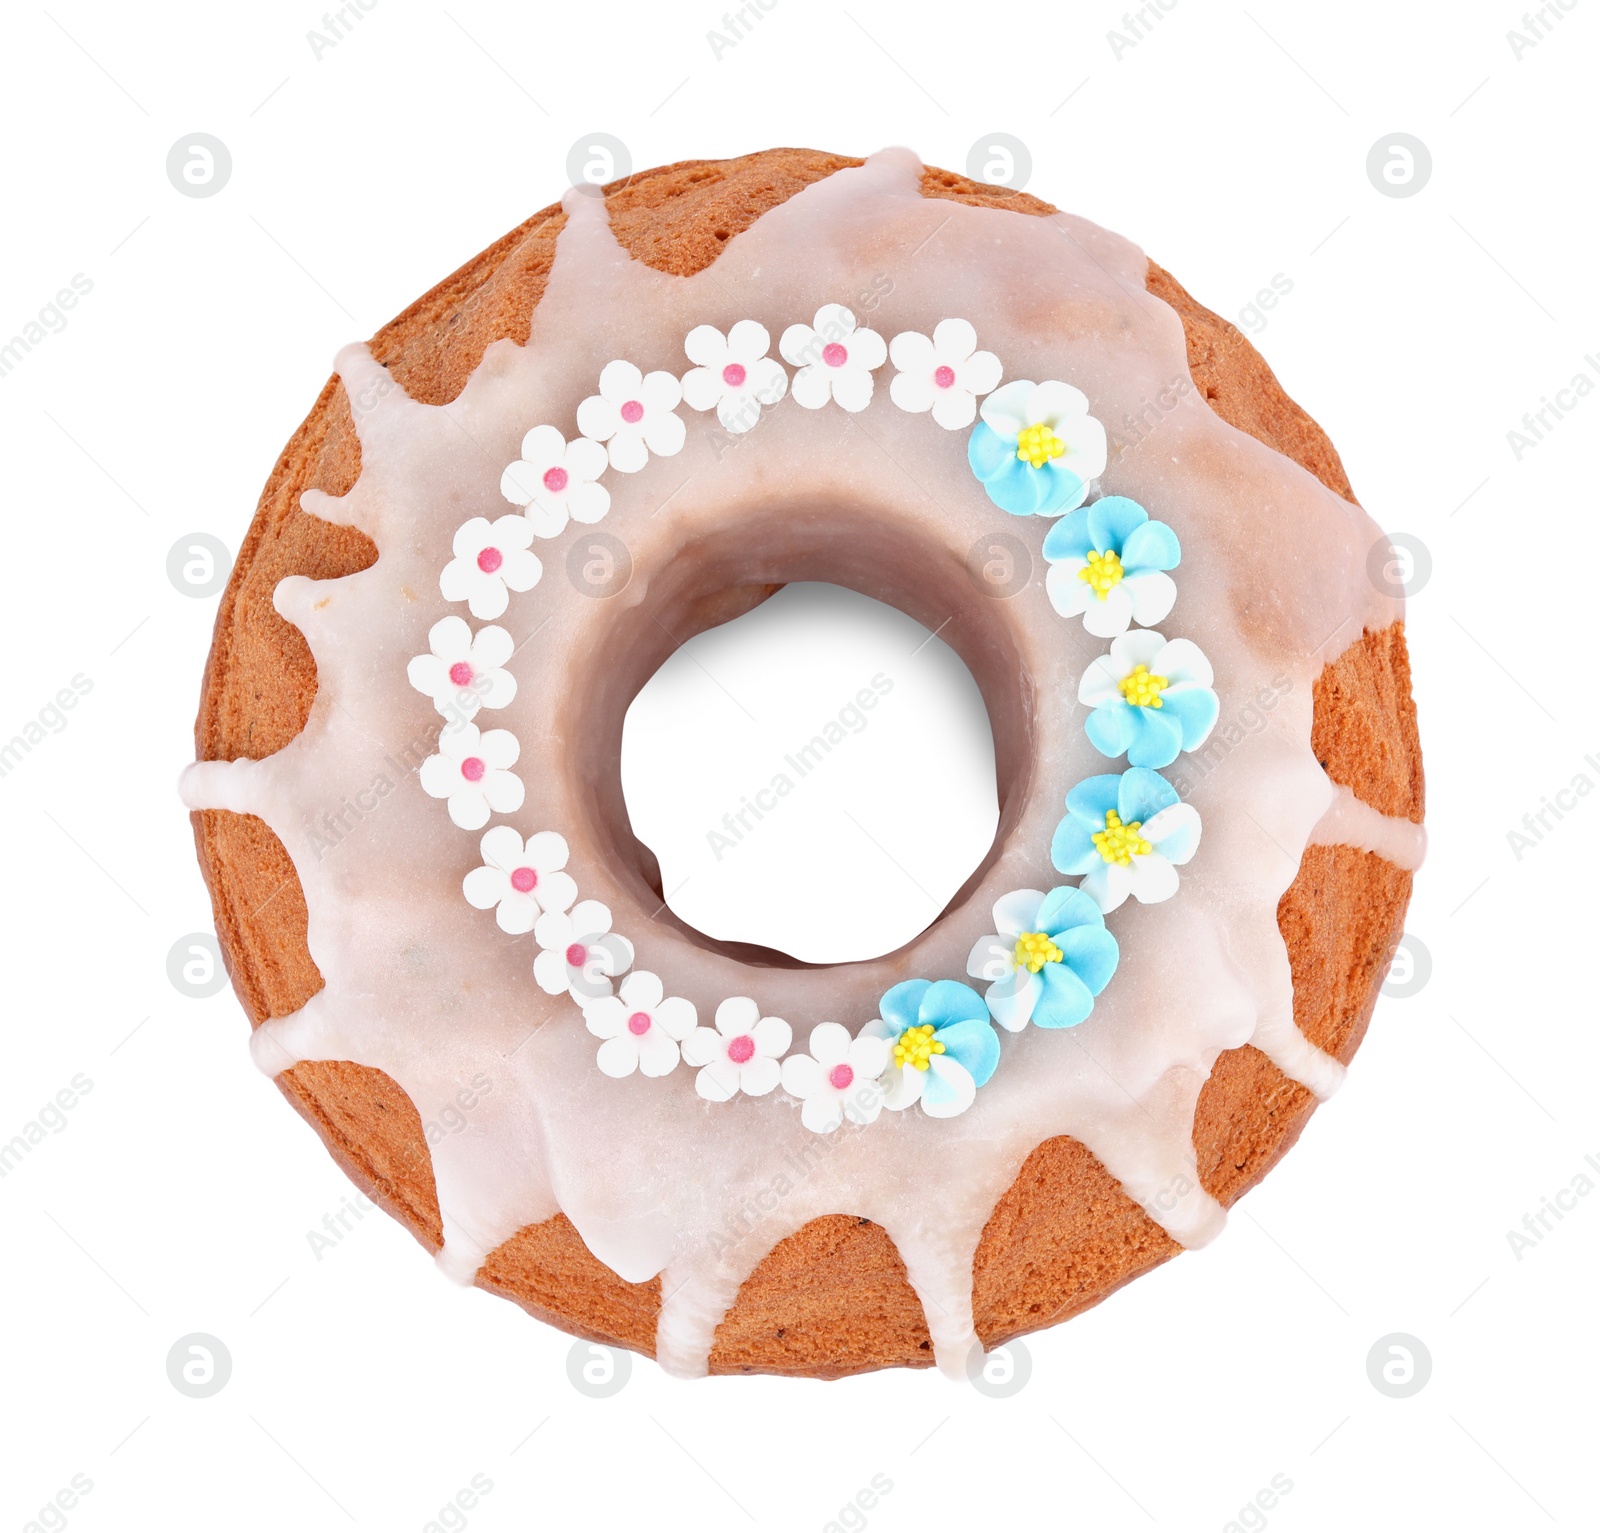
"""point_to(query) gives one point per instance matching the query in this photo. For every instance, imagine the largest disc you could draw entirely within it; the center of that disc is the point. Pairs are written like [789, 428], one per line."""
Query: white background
[366, 1391]
[741, 862]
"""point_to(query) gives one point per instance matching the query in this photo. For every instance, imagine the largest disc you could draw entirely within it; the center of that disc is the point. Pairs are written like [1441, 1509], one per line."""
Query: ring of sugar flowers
[1036, 450]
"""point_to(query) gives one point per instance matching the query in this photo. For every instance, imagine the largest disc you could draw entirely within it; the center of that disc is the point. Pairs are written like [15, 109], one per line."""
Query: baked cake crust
[831, 1299]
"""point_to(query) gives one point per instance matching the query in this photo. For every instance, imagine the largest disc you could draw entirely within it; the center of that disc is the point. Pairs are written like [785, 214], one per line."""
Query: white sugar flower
[464, 673]
[1126, 833]
[641, 1026]
[633, 415]
[491, 559]
[944, 375]
[836, 360]
[1038, 449]
[520, 881]
[740, 1054]
[470, 771]
[1109, 562]
[939, 1046]
[555, 480]
[1049, 956]
[838, 1079]
[735, 375]
[581, 952]
[1151, 698]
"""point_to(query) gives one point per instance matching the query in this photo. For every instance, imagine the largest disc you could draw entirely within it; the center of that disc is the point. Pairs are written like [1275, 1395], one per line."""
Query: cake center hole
[816, 776]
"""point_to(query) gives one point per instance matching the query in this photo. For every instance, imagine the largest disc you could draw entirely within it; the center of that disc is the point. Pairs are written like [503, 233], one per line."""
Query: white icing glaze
[421, 986]
[1349, 822]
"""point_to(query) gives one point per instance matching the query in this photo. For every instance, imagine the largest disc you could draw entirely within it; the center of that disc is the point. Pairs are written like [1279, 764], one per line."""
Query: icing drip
[418, 984]
[1349, 822]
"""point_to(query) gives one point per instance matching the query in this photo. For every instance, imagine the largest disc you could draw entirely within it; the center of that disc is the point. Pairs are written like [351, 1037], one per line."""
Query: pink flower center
[944, 376]
[741, 1048]
[461, 674]
[840, 1076]
[524, 880]
[577, 955]
[733, 374]
[555, 479]
[834, 354]
[490, 560]
[632, 412]
[473, 769]
[639, 1023]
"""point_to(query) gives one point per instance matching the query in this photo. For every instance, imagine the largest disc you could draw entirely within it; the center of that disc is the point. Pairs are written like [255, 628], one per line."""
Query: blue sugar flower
[1037, 449]
[1108, 561]
[1125, 833]
[1049, 957]
[941, 1045]
[1151, 699]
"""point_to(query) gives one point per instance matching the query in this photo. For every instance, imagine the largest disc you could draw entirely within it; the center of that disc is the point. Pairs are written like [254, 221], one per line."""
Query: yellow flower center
[1037, 445]
[1118, 842]
[1142, 688]
[1034, 950]
[1101, 573]
[916, 1046]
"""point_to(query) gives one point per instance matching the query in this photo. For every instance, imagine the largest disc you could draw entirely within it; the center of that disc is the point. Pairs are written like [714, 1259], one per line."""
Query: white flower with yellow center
[1151, 698]
[1108, 564]
[1126, 833]
[1037, 448]
[1048, 958]
[942, 1045]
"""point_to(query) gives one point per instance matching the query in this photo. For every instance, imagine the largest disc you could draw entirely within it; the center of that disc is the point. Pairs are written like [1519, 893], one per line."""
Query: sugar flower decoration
[1037, 448]
[491, 560]
[836, 360]
[555, 480]
[1049, 957]
[520, 880]
[471, 772]
[740, 1053]
[944, 375]
[941, 1045]
[735, 376]
[464, 672]
[838, 1079]
[633, 415]
[1151, 698]
[581, 953]
[1109, 562]
[641, 1025]
[1126, 833]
